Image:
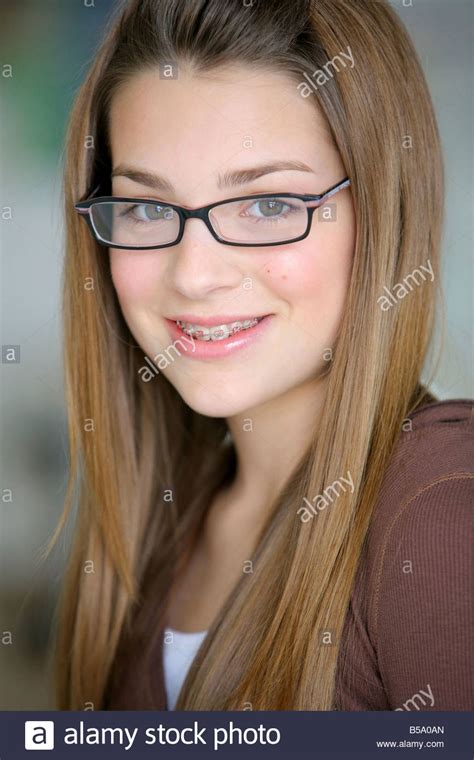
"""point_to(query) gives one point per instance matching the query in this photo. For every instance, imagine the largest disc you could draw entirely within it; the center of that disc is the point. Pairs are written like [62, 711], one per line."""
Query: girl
[273, 510]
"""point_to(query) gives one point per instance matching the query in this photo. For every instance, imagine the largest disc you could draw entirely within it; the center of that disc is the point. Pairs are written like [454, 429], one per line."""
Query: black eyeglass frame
[84, 208]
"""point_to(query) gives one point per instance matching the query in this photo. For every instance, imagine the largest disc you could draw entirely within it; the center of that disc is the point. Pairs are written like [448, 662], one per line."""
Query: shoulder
[418, 557]
[435, 440]
[428, 487]
[433, 456]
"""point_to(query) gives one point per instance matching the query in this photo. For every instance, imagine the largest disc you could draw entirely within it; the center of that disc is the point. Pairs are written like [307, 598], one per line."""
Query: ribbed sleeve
[407, 642]
[423, 621]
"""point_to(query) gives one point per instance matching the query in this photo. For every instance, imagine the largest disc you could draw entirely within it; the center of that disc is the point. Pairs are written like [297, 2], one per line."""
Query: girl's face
[195, 132]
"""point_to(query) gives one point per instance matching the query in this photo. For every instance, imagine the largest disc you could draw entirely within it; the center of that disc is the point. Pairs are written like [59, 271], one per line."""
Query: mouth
[217, 332]
[217, 337]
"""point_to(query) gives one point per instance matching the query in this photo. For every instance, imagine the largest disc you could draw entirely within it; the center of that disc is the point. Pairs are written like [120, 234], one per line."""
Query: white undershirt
[179, 650]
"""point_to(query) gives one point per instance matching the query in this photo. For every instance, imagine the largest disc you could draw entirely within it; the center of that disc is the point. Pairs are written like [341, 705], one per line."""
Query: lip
[208, 349]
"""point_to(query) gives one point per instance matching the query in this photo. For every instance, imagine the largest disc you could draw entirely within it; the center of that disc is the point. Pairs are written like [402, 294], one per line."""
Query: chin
[215, 403]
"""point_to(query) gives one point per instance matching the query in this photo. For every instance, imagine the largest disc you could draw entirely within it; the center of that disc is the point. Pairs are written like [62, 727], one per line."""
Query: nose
[199, 264]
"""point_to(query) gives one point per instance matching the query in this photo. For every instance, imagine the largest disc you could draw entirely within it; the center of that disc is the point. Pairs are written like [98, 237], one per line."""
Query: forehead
[195, 126]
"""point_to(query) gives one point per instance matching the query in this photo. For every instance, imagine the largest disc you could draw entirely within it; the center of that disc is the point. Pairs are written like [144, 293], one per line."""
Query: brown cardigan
[407, 640]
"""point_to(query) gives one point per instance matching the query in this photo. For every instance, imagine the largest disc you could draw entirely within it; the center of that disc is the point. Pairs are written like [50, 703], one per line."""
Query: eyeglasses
[250, 220]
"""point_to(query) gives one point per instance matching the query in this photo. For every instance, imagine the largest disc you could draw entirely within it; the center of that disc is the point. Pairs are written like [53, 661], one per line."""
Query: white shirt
[179, 650]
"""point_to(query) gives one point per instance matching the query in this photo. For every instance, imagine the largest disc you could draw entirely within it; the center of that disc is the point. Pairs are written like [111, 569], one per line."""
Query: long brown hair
[133, 445]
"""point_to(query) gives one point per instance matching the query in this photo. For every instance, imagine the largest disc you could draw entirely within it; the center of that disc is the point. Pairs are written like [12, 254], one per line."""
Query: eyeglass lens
[251, 221]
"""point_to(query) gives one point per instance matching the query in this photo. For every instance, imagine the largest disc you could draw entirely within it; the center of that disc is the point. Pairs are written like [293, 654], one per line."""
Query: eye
[148, 212]
[268, 207]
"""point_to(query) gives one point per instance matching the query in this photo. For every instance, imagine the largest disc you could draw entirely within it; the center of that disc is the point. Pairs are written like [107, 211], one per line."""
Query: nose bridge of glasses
[198, 213]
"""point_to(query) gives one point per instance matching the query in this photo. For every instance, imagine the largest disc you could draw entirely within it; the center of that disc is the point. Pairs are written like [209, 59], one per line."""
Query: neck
[270, 440]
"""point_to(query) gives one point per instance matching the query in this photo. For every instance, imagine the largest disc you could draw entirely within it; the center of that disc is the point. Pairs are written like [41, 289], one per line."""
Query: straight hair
[133, 444]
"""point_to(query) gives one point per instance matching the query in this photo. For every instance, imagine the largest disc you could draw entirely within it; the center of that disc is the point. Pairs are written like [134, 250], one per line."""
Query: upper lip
[214, 321]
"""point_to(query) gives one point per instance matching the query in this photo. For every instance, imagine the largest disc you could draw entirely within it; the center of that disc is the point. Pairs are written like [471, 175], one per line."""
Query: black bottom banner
[278, 735]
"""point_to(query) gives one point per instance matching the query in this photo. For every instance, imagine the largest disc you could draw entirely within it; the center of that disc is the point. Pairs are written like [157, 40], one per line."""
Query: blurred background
[49, 45]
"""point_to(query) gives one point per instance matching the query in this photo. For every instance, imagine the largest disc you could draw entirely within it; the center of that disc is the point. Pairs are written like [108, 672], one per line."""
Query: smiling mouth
[217, 332]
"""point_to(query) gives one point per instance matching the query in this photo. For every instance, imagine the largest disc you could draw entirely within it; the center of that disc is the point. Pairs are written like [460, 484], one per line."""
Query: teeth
[218, 332]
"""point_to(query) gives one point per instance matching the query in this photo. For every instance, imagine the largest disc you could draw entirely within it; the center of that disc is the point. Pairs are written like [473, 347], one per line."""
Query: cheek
[309, 273]
[135, 275]
[312, 278]
[292, 274]
[314, 274]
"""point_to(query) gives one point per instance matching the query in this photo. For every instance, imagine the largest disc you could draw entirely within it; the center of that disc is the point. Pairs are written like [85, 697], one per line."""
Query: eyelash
[127, 213]
[291, 210]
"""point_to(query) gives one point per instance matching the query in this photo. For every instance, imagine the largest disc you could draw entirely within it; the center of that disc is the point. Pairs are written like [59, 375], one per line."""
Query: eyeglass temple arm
[333, 191]
[88, 198]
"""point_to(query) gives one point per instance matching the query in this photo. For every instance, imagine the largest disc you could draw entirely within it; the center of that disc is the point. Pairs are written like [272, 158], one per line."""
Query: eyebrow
[228, 179]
